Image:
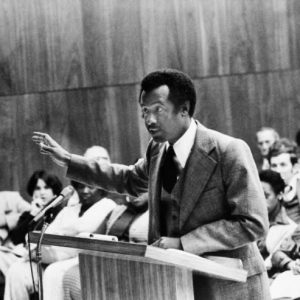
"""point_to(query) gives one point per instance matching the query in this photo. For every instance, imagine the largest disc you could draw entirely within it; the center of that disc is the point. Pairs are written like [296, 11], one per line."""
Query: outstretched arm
[48, 146]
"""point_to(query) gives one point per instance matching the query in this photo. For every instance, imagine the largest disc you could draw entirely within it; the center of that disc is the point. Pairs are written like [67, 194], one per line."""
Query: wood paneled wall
[72, 68]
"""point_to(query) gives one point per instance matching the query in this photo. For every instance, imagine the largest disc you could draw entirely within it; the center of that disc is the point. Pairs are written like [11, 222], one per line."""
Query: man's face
[283, 165]
[271, 197]
[87, 194]
[162, 120]
[265, 139]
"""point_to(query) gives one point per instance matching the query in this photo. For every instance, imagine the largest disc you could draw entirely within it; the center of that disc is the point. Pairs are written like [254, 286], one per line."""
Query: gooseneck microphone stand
[47, 218]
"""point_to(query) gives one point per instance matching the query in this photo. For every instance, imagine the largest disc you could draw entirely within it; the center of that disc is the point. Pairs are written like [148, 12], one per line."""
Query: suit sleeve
[246, 220]
[118, 178]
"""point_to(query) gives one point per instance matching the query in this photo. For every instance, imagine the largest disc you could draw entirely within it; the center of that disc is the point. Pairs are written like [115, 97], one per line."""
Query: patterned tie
[170, 170]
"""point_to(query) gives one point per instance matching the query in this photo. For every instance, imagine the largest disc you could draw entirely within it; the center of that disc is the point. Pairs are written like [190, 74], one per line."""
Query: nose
[42, 191]
[150, 119]
[86, 190]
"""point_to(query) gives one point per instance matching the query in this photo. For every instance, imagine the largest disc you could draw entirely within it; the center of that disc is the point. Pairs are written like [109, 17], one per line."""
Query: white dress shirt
[183, 146]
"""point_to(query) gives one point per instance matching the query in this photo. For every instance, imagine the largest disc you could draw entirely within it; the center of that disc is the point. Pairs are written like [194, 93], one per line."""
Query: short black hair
[284, 145]
[274, 179]
[51, 180]
[180, 85]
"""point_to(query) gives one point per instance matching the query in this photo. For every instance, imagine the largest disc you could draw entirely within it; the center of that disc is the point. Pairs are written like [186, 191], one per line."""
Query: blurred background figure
[12, 205]
[280, 249]
[42, 188]
[283, 159]
[280, 224]
[265, 138]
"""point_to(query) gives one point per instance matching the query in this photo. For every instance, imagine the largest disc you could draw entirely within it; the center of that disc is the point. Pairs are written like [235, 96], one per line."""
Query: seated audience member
[283, 159]
[42, 187]
[265, 137]
[280, 224]
[286, 258]
[91, 210]
[12, 205]
[129, 223]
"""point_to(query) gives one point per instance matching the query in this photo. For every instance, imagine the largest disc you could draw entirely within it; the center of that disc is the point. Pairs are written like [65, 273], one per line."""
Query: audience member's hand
[168, 242]
[36, 205]
[49, 146]
[295, 266]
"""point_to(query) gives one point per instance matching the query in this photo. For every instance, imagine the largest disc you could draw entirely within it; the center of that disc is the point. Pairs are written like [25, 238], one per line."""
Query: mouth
[153, 130]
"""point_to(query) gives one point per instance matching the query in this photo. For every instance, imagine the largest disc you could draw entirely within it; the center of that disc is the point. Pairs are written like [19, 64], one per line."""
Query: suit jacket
[222, 205]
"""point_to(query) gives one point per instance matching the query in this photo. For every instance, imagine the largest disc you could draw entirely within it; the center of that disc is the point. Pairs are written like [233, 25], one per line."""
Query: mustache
[152, 127]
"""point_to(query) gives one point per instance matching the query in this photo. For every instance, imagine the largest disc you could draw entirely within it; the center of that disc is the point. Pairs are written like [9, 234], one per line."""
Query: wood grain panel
[213, 106]
[42, 45]
[294, 32]
[9, 179]
[56, 45]
[117, 278]
[112, 41]
[186, 35]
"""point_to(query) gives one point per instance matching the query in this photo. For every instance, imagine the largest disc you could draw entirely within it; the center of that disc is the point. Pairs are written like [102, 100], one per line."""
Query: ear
[185, 108]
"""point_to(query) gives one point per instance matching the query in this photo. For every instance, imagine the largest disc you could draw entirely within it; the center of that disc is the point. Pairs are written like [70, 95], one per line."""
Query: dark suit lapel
[199, 168]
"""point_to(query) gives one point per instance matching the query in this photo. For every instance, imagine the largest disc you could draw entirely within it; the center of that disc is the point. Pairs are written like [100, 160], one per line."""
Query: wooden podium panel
[117, 277]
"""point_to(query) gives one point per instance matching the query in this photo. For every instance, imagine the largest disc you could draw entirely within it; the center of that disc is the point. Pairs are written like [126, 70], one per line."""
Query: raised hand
[49, 146]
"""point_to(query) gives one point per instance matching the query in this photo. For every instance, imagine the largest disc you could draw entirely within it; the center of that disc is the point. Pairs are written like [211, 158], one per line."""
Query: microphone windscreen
[68, 191]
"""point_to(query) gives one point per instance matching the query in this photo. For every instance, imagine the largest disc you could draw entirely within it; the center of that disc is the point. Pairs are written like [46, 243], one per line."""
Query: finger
[45, 152]
[38, 133]
[37, 139]
[40, 137]
[48, 140]
[45, 148]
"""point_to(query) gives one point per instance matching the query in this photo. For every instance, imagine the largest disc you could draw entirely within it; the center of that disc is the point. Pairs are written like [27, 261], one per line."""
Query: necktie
[170, 170]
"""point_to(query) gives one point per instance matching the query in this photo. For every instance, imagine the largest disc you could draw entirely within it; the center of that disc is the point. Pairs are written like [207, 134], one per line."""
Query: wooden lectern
[122, 271]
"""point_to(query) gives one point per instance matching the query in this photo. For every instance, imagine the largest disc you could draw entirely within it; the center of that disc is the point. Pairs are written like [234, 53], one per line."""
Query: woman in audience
[42, 187]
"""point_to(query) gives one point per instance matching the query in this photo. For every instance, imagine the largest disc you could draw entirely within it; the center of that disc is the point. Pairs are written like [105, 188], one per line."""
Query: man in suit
[204, 192]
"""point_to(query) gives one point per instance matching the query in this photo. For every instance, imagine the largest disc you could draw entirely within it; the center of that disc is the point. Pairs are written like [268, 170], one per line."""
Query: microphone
[65, 195]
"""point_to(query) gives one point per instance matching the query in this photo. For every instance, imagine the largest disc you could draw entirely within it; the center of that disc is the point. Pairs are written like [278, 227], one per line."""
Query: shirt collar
[183, 146]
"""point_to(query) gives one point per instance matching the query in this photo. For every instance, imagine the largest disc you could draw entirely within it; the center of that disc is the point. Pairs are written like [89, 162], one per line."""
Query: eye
[145, 112]
[159, 109]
